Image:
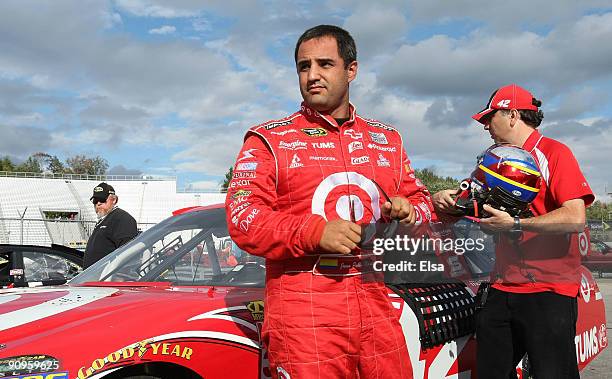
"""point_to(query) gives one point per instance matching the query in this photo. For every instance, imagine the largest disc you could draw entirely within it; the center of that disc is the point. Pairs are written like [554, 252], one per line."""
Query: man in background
[531, 307]
[114, 228]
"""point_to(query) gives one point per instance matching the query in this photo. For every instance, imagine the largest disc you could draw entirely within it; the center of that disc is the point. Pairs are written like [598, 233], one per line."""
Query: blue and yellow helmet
[510, 169]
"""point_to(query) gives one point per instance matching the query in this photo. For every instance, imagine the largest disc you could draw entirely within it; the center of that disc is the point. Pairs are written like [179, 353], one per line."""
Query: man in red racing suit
[301, 187]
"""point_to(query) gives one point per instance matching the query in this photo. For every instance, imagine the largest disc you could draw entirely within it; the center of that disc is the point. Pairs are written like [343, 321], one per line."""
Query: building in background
[43, 209]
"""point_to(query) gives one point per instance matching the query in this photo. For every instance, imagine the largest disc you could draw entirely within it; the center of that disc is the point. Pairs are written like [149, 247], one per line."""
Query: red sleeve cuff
[312, 233]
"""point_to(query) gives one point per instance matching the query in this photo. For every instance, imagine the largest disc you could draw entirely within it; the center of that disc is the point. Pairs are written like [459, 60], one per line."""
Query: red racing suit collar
[313, 115]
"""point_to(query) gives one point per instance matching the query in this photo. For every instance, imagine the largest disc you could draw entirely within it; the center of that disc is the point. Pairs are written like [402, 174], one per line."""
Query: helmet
[506, 177]
[509, 168]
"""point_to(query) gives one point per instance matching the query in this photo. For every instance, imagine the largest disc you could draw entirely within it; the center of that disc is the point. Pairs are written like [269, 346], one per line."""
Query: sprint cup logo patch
[314, 132]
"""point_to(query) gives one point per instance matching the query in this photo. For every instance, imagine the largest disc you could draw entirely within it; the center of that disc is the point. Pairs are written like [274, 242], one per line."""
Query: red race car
[182, 301]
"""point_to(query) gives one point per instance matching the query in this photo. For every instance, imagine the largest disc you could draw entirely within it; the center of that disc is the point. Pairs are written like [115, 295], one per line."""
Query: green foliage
[80, 164]
[43, 162]
[228, 178]
[434, 182]
[6, 164]
[32, 164]
[598, 211]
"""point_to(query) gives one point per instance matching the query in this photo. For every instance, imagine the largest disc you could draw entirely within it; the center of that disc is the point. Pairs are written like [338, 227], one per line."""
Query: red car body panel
[100, 329]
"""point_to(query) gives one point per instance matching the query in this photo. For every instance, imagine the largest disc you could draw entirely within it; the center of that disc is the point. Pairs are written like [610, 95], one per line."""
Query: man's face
[498, 126]
[324, 81]
[103, 207]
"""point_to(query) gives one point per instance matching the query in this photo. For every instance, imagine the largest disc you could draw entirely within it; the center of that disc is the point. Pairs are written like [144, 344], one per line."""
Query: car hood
[55, 319]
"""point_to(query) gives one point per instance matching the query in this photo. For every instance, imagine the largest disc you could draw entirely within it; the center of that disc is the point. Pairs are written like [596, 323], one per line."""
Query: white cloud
[93, 78]
[166, 29]
[161, 9]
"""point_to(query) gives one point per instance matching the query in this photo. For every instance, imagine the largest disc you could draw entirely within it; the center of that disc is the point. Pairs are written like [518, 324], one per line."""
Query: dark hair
[529, 117]
[532, 118]
[346, 44]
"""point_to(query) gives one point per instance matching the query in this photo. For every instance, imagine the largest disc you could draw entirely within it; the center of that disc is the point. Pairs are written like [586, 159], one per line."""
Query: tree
[435, 183]
[598, 211]
[49, 163]
[32, 164]
[80, 164]
[56, 166]
[6, 164]
[228, 178]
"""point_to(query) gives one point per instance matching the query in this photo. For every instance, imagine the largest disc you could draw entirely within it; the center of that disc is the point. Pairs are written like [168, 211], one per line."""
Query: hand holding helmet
[506, 177]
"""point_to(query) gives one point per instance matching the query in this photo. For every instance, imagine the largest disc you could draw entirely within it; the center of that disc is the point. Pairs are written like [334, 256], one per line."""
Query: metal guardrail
[102, 178]
[43, 175]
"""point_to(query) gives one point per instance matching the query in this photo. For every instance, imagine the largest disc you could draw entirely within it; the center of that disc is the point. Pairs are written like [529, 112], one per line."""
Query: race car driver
[532, 305]
[301, 188]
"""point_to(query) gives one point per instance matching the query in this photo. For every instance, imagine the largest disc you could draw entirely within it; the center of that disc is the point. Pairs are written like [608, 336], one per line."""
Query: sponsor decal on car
[246, 166]
[295, 145]
[16, 271]
[323, 145]
[588, 343]
[241, 193]
[382, 148]
[273, 125]
[134, 352]
[379, 138]
[355, 145]
[27, 364]
[257, 309]
[353, 134]
[360, 160]
[314, 132]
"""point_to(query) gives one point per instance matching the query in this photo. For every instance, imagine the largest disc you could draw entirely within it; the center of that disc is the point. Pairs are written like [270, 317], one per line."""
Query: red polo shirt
[542, 263]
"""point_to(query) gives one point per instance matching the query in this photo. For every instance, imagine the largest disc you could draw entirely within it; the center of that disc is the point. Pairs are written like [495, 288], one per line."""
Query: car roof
[197, 208]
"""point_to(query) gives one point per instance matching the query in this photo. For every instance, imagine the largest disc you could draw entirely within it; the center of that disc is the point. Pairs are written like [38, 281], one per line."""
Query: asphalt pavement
[601, 367]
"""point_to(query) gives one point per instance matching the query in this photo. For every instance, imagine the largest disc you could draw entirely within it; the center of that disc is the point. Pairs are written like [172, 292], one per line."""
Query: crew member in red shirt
[532, 305]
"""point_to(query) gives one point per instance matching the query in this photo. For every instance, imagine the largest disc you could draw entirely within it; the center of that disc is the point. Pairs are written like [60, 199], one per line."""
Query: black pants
[543, 325]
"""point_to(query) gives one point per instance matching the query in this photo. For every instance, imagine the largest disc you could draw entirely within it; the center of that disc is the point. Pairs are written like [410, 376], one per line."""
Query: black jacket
[114, 230]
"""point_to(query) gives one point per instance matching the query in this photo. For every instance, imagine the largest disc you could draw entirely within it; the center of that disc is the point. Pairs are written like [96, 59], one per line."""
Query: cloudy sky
[168, 87]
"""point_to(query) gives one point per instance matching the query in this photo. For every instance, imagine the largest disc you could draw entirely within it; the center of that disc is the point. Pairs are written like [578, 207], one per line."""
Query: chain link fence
[71, 233]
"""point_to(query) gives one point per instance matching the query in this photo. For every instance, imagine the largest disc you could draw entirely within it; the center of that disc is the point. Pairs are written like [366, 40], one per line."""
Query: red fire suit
[325, 315]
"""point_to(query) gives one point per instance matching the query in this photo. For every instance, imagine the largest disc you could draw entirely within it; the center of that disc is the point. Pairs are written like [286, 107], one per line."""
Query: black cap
[101, 191]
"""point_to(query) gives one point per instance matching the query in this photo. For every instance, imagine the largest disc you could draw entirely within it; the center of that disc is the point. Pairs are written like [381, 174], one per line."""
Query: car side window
[42, 266]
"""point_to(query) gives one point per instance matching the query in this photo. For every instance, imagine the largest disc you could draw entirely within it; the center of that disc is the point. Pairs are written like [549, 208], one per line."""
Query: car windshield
[193, 248]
